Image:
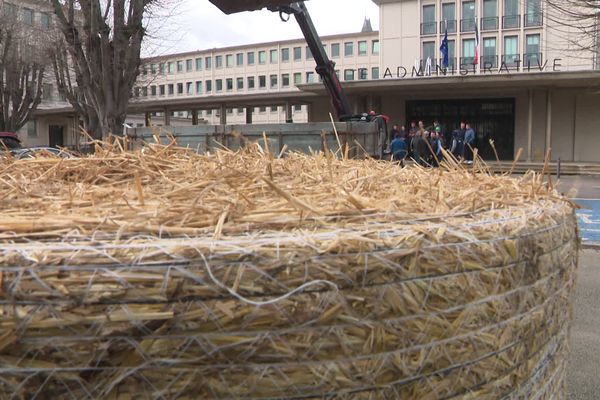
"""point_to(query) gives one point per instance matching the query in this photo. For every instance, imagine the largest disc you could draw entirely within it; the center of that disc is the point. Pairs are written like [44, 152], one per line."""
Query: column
[249, 111]
[548, 120]
[167, 117]
[194, 117]
[530, 127]
[223, 120]
[289, 115]
[147, 119]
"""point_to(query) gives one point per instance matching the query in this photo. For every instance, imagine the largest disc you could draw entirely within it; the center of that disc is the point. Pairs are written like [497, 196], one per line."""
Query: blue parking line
[589, 219]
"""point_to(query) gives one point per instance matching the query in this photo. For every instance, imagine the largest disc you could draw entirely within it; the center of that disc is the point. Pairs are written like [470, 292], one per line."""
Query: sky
[197, 24]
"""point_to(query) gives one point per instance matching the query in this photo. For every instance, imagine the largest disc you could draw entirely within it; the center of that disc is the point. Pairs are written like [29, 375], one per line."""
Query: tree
[103, 40]
[23, 62]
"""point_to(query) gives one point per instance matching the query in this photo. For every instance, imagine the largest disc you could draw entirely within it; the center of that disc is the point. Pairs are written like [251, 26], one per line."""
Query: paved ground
[585, 190]
[584, 366]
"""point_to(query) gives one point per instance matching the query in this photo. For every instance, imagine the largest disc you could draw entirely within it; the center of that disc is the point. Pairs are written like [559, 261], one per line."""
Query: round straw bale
[164, 274]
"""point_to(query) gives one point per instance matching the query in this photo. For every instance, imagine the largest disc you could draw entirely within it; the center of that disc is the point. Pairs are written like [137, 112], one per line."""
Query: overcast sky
[198, 25]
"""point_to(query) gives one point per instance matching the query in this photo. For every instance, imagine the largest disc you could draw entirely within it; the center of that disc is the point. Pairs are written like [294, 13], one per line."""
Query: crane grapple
[235, 6]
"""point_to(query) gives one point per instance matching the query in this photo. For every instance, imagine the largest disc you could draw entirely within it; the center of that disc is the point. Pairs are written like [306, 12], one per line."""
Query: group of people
[425, 144]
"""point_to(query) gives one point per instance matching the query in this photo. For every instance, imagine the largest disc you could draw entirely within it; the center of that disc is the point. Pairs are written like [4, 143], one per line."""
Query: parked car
[31, 152]
[10, 141]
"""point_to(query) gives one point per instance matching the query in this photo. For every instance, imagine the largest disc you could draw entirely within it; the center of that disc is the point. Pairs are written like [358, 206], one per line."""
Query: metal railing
[489, 23]
[428, 28]
[466, 62]
[534, 19]
[511, 60]
[511, 21]
[451, 63]
[532, 60]
[467, 25]
[451, 26]
[490, 61]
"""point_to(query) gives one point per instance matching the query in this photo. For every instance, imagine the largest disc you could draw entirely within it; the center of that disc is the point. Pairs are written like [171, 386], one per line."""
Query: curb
[590, 246]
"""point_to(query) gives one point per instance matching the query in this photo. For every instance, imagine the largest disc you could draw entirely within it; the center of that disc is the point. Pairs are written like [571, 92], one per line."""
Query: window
[180, 88]
[240, 110]
[511, 17]
[274, 109]
[219, 62]
[162, 90]
[285, 55]
[335, 50]
[273, 56]
[230, 111]
[375, 73]
[448, 17]
[171, 67]
[490, 15]
[153, 69]
[348, 49]
[489, 58]
[189, 65]
[153, 90]
[179, 66]
[297, 53]
[428, 52]
[47, 90]
[375, 47]
[250, 58]
[273, 81]
[468, 23]
[511, 50]
[229, 83]
[468, 52]
[219, 84]
[189, 88]
[229, 60]
[297, 108]
[262, 81]
[285, 80]
[262, 109]
[451, 53]
[532, 50]
[28, 16]
[239, 59]
[428, 25]
[45, 20]
[144, 92]
[262, 57]
[32, 128]
[198, 87]
[362, 48]
[199, 64]
[310, 77]
[533, 13]
[348, 74]
[251, 82]
[171, 89]
[297, 78]
[240, 83]
[363, 73]
[309, 54]
[208, 62]
[10, 10]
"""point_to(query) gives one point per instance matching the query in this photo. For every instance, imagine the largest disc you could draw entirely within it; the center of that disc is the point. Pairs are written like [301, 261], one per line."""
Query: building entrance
[491, 118]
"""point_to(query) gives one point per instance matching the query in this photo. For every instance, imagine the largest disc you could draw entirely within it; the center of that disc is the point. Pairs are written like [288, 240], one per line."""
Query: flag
[476, 58]
[444, 46]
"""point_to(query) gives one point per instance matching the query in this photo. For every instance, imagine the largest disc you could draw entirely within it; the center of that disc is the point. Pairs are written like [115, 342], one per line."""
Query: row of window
[489, 20]
[489, 52]
[28, 15]
[250, 58]
[240, 111]
[250, 83]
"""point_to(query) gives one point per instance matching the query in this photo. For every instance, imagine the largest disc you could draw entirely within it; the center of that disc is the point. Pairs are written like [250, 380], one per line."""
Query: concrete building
[531, 89]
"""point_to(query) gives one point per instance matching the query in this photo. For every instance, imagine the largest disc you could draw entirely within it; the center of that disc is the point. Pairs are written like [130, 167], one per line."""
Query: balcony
[467, 62]
[532, 60]
[428, 28]
[532, 20]
[490, 61]
[489, 23]
[511, 60]
[511, 21]
[451, 26]
[467, 25]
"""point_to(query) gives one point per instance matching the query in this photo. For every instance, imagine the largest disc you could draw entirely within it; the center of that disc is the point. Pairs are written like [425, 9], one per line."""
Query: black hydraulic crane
[325, 67]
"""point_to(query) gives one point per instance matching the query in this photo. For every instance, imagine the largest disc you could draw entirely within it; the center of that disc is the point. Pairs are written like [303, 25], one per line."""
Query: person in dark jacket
[399, 150]
[469, 143]
[458, 141]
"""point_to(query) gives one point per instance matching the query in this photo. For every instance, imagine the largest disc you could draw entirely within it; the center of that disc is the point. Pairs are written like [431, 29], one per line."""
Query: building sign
[424, 68]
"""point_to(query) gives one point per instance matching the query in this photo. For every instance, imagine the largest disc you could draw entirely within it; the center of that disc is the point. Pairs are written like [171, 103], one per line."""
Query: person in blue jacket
[399, 150]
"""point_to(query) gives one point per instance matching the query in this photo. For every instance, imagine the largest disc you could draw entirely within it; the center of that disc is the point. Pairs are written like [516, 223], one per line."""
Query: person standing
[399, 150]
[436, 147]
[458, 141]
[395, 132]
[469, 143]
[412, 133]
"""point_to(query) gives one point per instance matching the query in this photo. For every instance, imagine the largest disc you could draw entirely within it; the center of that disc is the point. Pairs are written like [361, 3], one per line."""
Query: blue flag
[444, 46]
